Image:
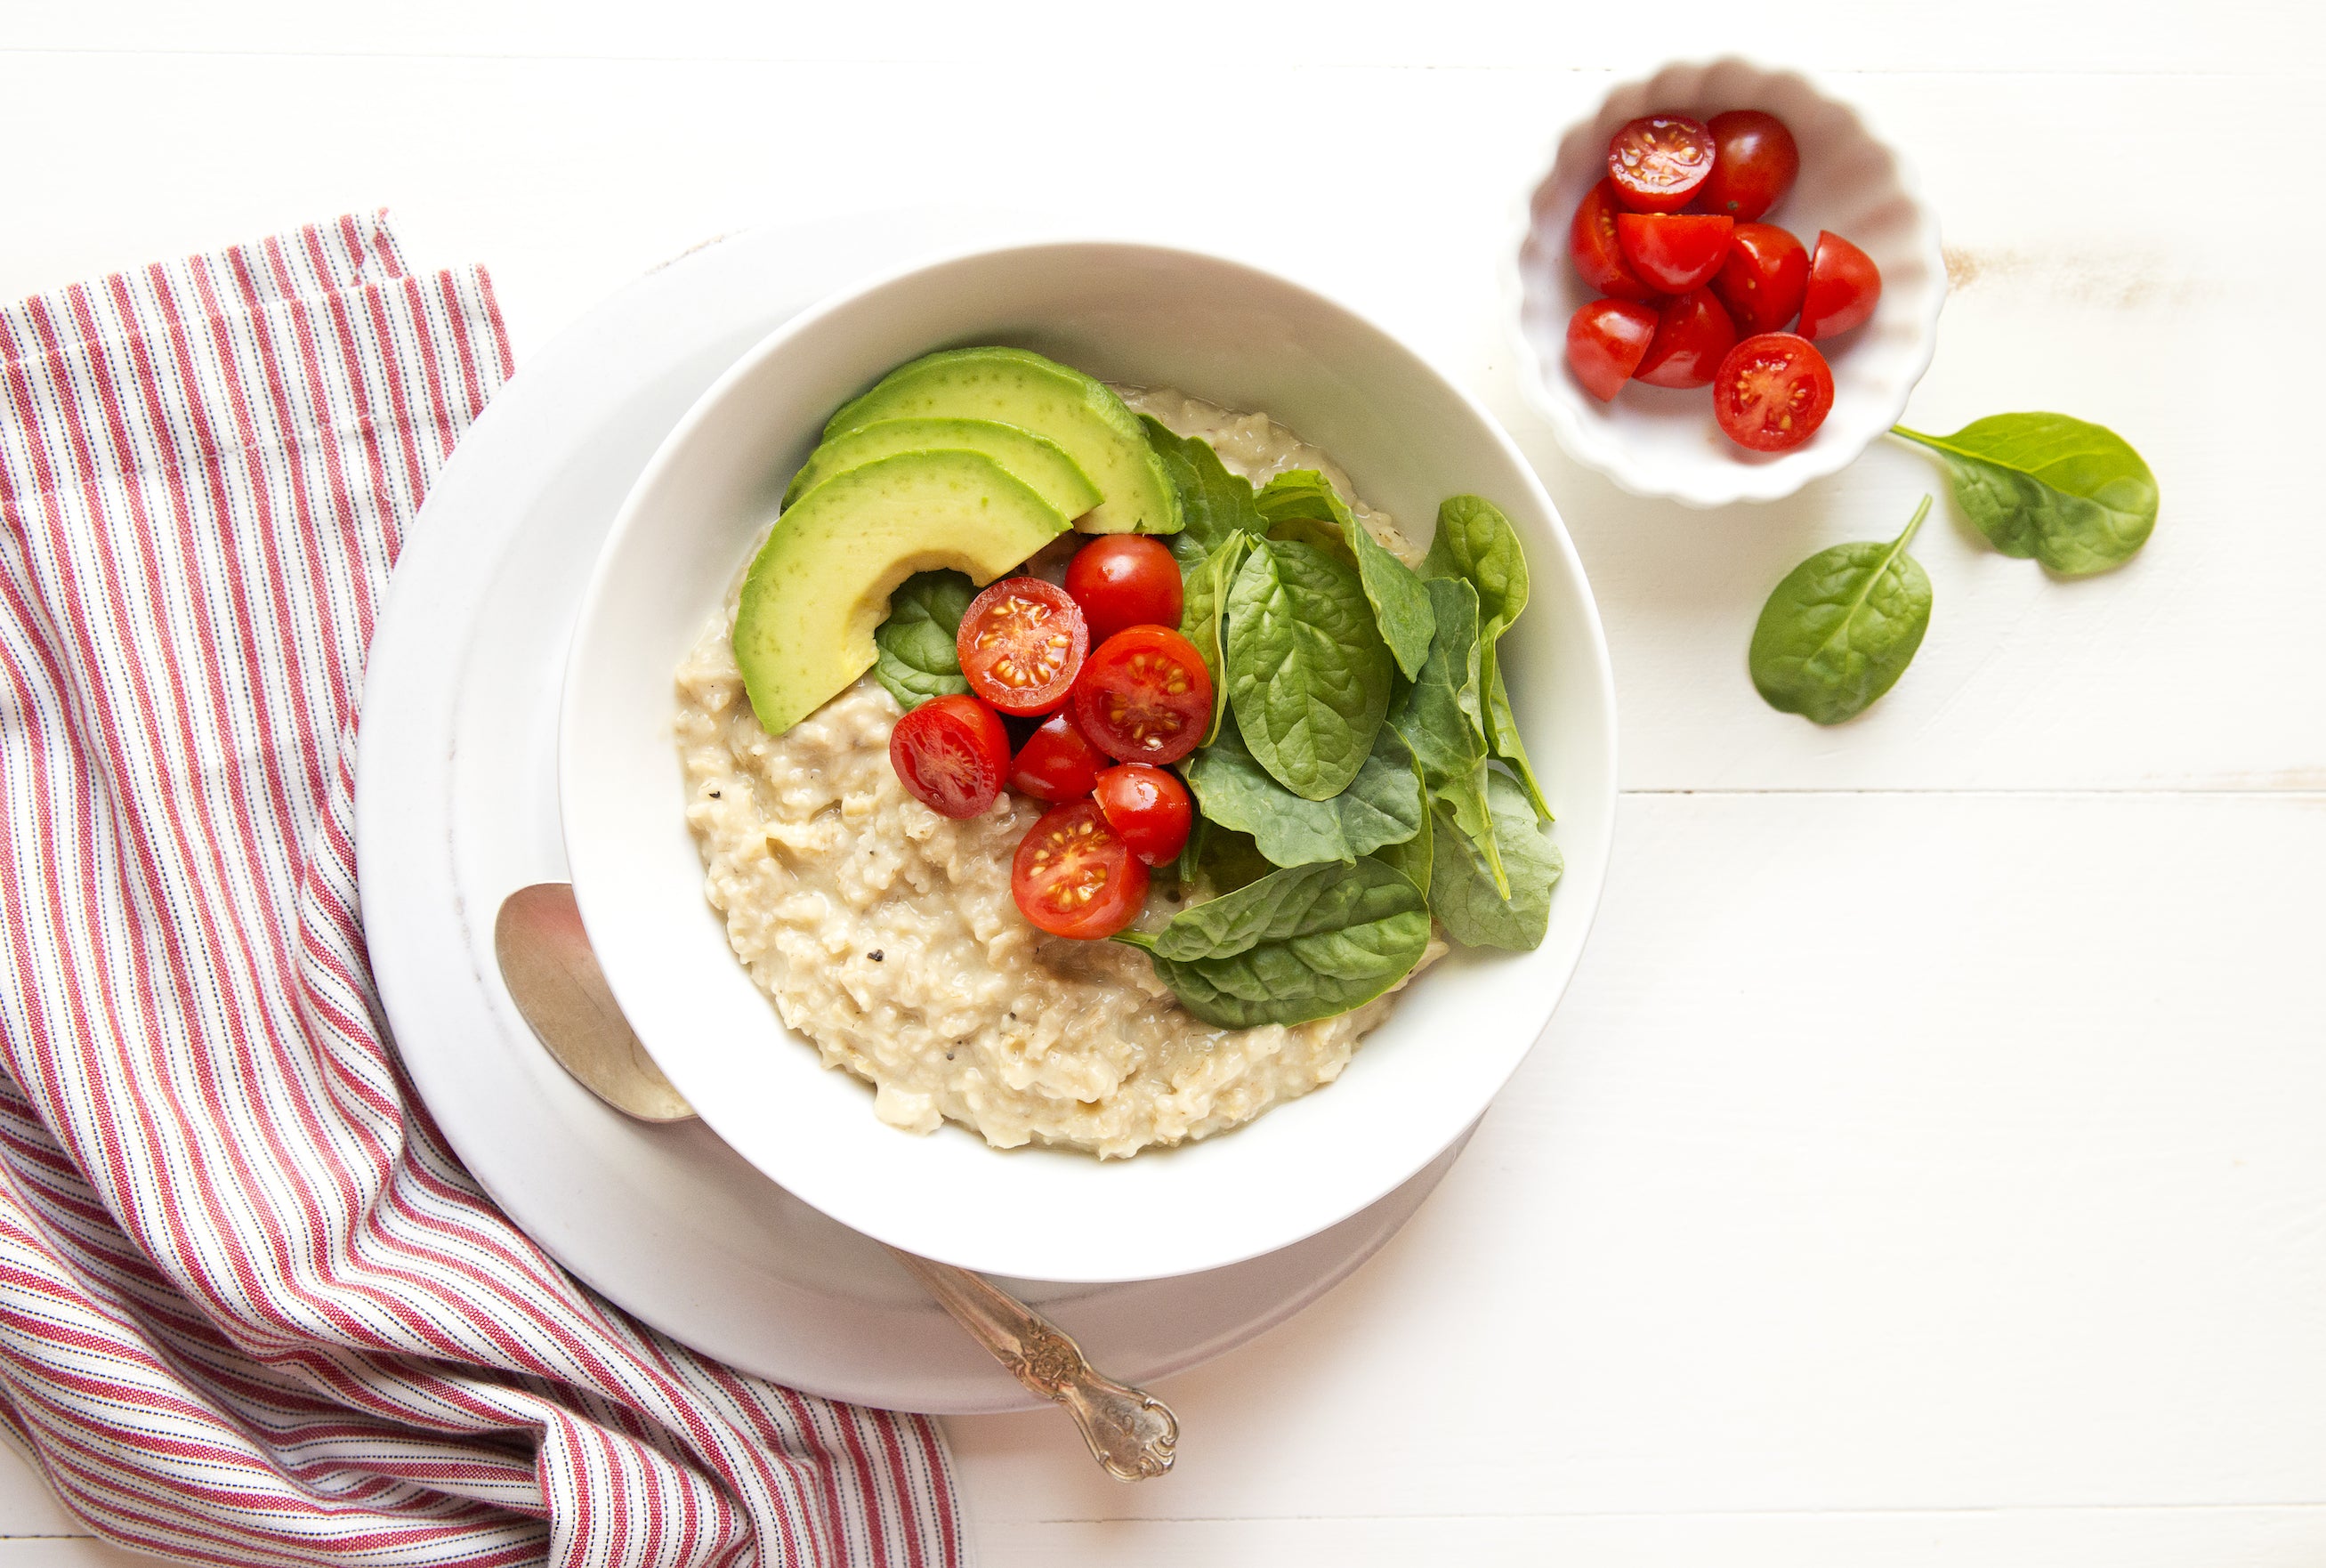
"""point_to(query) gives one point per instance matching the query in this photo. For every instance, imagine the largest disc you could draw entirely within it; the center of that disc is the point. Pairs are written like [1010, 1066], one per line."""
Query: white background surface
[1928, 1166]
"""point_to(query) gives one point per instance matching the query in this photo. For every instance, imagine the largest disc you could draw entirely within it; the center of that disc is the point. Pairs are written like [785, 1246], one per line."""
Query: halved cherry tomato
[1148, 807]
[1606, 342]
[1057, 762]
[1772, 392]
[1691, 335]
[1763, 280]
[949, 755]
[1125, 579]
[1145, 695]
[1844, 287]
[1674, 251]
[1658, 161]
[1074, 876]
[1597, 254]
[1753, 164]
[1021, 644]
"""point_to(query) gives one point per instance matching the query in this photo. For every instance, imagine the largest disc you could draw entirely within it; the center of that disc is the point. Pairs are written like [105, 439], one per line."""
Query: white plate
[1233, 335]
[457, 805]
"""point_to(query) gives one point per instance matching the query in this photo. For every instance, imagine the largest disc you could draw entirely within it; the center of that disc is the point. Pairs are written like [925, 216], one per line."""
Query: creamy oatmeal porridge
[887, 934]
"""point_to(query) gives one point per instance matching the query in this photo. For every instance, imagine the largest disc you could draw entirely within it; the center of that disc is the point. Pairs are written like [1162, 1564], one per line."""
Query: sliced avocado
[1042, 464]
[819, 587]
[1013, 387]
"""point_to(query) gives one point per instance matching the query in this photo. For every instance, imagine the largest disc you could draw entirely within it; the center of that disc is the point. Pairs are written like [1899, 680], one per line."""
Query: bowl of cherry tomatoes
[1725, 285]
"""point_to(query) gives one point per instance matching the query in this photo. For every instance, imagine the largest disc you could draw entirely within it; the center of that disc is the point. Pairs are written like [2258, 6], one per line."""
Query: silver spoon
[545, 959]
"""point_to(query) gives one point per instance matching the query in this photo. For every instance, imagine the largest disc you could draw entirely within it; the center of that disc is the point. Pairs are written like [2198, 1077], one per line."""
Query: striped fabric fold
[252, 1310]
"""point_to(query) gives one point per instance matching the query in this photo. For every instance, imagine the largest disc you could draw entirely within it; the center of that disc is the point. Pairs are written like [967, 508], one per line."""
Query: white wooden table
[1929, 1165]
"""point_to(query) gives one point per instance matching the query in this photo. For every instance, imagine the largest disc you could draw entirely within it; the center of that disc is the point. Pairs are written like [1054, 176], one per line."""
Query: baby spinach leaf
[1191, 854]
[1439, 717]
[1475, 542]
[1308, 531]
[2073, 495]
[1299, 504]
[1382, 806]
[1412, 856]
[1203, 613]
[1221, 857]
[1301, 500]
[1502, 729]
[1309, 675]
[1297, 944]
[1214, 502]
[918, 654]
[1462, 895]
[1841, 627]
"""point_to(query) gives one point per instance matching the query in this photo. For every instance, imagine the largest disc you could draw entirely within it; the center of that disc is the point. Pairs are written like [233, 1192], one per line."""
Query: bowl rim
[1601, 788]
[1761, 482]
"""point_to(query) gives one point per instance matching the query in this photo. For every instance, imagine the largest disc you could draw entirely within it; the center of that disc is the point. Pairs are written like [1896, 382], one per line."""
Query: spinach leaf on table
[1476, 542]
[2073, 495]
[1297, 944]
[1841, 627]
[1439, 717]
[1301, 500]
[918, 654]
[1309, 675]
[1382, 806]
[1214, 502]
[1202, 611]
[1463, 896]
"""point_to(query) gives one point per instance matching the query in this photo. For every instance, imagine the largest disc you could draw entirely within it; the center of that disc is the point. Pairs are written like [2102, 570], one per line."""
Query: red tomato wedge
[1845, 285]
[1606, 342]
[1057, 762]
[1021, 645]
[1754, 163]
[1598, 254]
[1772, 392]
[1145, 695]
[1674, 251]
[951, 753]
[1691, 335]
[1148, 807]
[1125, 579]
[1764, 279]
[1658, 161]
[1074, 876]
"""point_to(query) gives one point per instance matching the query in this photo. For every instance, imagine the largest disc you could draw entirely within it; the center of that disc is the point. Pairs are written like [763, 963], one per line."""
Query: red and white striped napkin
[252, 1310]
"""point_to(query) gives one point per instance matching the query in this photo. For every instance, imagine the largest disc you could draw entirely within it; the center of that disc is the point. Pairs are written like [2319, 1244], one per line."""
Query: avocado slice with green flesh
[1059, 404]
[1042, 464]
[819, 587]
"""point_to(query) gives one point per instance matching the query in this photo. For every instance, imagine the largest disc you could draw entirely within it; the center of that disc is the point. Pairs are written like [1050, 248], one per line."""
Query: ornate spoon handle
[1130, 1431]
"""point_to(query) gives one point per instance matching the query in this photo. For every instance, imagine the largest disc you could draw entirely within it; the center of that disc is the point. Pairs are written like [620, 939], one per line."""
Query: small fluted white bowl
[1663, 442]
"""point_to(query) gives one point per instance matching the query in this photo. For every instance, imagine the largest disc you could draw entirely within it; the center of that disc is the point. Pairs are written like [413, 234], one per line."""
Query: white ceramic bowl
[1131, 314]
[1662, 442]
